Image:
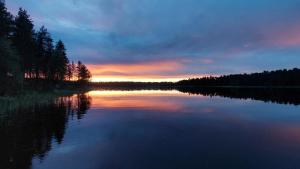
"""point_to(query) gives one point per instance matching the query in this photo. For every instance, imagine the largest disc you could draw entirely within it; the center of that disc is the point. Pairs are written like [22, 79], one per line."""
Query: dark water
[154, 130]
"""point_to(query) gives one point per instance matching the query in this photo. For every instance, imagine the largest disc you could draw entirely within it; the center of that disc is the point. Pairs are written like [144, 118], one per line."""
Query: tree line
[267, 78]
[26, 53]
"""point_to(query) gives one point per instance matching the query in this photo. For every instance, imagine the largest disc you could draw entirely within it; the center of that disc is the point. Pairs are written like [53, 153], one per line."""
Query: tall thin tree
[60, 61]
[44, 54]
[23, 38]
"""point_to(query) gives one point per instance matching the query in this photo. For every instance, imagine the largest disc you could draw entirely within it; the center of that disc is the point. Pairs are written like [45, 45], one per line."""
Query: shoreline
[30, 99]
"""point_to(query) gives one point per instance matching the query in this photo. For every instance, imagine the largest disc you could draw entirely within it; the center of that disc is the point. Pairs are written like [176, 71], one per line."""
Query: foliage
[6, 21]
[44, 53]
[10, 73]
[25, 53]
[83, 73]
[266, 78]
[60, 61]
[23, 39]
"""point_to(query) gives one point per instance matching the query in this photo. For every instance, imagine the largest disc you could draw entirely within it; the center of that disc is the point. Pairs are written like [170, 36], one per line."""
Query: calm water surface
[151, 130]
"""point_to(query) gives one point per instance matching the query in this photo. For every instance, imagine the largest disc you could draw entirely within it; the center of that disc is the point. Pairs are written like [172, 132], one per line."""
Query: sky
[168, 40]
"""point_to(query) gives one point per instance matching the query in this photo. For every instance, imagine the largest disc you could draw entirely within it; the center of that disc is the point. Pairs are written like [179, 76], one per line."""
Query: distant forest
[278, 78]
[28, 55]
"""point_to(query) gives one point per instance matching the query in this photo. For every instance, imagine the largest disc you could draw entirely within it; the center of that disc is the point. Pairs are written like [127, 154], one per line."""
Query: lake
[155, 129]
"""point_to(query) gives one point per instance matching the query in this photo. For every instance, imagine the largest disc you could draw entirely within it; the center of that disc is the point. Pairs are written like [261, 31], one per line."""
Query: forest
[29, 56]
[278, 78]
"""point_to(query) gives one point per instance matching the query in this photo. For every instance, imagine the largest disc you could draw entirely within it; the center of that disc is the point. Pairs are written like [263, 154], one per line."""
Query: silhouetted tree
[69, 74]
[266, 78]
[10, 74]
[45, 51]
[73, 68]
[83, 74]
[27, 54]
[71, 71]
[60, 61]
[6, 21]
[23, 38]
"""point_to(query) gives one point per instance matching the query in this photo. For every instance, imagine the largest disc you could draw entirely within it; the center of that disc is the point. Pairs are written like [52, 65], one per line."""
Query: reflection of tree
[275, 95]
[29, 133]
[78, 105]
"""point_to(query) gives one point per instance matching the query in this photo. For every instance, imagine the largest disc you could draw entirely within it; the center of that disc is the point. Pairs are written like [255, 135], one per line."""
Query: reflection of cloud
[208, 110]
[66, 149]
[287, 133]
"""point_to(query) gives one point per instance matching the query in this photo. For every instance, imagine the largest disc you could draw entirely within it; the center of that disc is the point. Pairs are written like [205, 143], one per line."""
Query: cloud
[147, 71]
[213, 36]
[287, 37]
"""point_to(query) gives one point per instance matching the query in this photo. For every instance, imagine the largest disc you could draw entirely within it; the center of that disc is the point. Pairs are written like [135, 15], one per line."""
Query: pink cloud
[207, 61]
[288, 36]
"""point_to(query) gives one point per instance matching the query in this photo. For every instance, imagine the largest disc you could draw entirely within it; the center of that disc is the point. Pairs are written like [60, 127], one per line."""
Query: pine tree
[10, 73]
[69, 74]
[78, 68]
[60, 61]
[44, 57]
[23, 38]
[6, 21]
[73, 69]
[83, 73]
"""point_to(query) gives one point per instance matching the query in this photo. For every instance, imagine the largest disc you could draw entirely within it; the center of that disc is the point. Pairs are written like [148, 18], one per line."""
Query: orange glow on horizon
[159, 71]
[140, 78]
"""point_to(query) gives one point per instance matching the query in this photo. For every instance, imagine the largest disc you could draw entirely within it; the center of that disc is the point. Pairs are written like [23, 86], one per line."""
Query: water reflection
[153, 130]
[29, 133]
[138, 99]
[274, 95]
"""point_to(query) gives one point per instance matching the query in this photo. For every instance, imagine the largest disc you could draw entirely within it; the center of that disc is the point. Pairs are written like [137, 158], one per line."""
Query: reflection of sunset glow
[107, 93]
[144, 99]
[287, 133]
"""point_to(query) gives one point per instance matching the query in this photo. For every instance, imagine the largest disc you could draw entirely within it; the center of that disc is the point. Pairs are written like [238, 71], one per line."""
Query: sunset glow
[290, 37]
[150, 84]
[151, 40]
[140, 78]
[160, 71]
